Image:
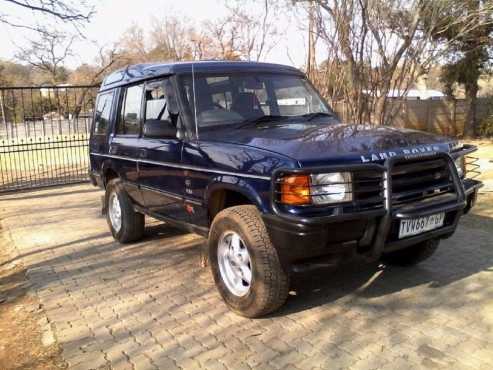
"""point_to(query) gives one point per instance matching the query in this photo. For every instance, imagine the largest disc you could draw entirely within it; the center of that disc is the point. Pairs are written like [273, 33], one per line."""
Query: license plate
[415, 226]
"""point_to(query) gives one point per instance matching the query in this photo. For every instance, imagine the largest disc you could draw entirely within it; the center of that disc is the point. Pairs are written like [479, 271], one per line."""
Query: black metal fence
[44, 134]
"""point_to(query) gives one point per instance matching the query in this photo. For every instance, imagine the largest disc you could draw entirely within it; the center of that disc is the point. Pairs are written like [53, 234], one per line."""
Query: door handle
[113, 149]
[143, 153]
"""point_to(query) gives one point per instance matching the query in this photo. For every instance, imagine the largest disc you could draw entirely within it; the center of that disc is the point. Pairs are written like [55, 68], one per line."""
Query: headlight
[329, 188]
[460, 164]
[321, 188]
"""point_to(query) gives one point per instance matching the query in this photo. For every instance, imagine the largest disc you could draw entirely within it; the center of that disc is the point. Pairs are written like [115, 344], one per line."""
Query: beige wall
[438, 116]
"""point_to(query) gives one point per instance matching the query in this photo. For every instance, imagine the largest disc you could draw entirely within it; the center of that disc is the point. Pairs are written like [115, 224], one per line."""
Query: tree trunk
[381, 102]
[470, 126]
[311, 63]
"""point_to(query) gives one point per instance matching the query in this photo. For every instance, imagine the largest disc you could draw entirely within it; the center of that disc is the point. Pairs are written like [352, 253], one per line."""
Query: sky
[113, 17]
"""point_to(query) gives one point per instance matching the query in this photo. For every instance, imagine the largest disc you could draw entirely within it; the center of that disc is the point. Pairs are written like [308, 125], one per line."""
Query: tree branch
[57, 8]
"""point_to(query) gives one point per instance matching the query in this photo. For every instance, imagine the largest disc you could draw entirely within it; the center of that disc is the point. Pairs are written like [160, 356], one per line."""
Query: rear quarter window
[130, 115]
[102, 114]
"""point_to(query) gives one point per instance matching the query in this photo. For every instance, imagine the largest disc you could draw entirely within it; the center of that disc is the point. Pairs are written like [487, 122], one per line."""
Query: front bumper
[305, 243]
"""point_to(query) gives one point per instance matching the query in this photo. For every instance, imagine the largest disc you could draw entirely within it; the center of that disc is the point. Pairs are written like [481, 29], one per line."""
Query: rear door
[161, 176]
[98, 143]
[125, 144]
[101, 123]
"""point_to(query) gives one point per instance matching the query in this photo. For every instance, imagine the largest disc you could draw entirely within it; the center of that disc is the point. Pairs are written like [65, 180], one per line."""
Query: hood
[317, 143]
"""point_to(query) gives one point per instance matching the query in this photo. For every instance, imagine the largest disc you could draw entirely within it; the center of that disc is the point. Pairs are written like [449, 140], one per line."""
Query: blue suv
[250, 156]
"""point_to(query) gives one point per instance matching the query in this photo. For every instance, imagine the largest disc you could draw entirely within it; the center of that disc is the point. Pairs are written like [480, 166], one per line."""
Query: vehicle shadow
[457, 258]
[156, 230]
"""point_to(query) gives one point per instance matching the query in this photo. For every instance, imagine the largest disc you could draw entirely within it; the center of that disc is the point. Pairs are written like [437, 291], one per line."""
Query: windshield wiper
[310, 116]
[261, 119]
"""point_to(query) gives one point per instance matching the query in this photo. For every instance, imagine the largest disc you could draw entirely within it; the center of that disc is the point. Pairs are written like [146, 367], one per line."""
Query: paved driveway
[150, 305]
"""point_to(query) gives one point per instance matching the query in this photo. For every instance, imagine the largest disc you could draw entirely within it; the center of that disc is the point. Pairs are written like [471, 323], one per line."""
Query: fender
[241, 186]
[105, 167]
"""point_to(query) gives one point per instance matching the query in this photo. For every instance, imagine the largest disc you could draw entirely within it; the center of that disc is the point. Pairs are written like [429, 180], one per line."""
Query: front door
[160, 175]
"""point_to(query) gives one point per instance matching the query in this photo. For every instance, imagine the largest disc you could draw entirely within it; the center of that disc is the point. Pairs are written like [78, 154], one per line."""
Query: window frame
[108, 127]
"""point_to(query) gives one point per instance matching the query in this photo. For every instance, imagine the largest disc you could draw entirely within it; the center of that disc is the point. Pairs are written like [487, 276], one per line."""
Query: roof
[416, 94]
[410, 94]
[144, 71]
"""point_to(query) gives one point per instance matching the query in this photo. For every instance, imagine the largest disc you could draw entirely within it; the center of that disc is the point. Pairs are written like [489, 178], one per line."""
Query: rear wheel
[125, 223]
[412, 255]
[245, 264]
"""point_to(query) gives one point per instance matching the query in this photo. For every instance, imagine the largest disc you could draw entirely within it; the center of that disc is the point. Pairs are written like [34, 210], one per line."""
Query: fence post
[3, 110]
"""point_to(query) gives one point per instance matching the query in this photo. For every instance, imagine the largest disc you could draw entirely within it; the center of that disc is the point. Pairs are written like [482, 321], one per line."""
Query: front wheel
[412, 255]
[125, 223]
[245, 264]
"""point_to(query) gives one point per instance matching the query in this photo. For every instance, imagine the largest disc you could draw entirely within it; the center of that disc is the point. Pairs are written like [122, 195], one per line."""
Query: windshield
[240, 98]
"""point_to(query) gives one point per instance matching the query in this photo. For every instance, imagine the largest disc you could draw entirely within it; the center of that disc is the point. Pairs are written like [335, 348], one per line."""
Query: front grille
[368, 189]
[418, 179]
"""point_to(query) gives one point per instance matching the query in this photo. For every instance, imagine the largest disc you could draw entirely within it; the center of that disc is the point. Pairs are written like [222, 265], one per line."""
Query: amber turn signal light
[295, 190]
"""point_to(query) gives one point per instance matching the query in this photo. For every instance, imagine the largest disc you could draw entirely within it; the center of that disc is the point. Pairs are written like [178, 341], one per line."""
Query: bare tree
[76, 13]
[133, 45]
[48, 54]
[224, 37]
[380, 47]
[263, 34]
[202, 45]
[171, 39]
[469, 59]
[244, 33]
[108, 59]
[312, 41]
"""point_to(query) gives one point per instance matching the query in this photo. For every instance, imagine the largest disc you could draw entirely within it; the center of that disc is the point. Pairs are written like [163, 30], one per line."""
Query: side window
[155, 102]
[102, 115]
[130, 111]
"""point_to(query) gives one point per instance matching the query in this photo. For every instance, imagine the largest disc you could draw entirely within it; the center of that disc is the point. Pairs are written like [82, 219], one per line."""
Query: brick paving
[151, 306]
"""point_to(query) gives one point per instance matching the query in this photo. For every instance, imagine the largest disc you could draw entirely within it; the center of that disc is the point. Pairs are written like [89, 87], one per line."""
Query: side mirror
[155, 128]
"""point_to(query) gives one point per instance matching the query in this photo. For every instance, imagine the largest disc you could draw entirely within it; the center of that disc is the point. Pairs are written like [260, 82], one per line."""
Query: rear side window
[130, 115]
[103, 110]
[156, 102]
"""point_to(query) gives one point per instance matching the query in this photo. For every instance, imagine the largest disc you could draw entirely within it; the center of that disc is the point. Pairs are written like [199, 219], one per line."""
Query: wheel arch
[108, 173]
[221, 195]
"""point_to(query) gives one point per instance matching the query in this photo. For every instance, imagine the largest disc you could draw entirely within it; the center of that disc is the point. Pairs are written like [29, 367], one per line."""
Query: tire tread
[133, 223]
[275, 279]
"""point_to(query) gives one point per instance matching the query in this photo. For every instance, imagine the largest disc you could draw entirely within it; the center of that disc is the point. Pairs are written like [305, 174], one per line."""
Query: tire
[269, 283]
[132, 223]
[412, 255]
